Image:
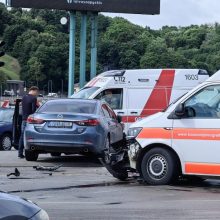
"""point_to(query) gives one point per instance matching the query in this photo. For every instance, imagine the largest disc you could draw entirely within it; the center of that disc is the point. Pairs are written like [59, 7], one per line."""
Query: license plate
[60, 124]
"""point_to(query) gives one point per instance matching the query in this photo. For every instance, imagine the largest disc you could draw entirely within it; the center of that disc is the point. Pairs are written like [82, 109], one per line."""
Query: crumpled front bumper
[133, 151]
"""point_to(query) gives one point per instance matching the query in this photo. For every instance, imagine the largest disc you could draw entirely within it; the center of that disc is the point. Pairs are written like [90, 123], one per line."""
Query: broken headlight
[134, 132]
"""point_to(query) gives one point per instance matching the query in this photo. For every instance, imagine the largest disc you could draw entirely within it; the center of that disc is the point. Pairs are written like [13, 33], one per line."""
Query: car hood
[12, 206]
[148, 121]
[2, 123]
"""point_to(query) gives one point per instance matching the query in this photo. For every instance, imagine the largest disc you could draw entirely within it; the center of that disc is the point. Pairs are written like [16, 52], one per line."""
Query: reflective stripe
[196, 134]
[155, 133]
[181, 134]
[202, 168]
[162, 89]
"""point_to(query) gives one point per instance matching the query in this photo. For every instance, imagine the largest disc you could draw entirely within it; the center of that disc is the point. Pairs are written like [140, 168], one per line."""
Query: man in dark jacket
[29, 106]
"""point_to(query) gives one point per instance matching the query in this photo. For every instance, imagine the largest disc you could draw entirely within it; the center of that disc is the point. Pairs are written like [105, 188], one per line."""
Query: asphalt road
[82, 189]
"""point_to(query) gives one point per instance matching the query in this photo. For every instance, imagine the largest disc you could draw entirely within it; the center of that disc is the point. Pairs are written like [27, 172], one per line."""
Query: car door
[108, 120]
[196, 136]
[117, 128]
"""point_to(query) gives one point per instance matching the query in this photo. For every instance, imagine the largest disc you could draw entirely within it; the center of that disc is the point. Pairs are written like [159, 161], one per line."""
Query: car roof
[77, 100]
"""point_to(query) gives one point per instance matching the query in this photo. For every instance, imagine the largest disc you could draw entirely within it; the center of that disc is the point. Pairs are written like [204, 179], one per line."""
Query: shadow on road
[71, 161]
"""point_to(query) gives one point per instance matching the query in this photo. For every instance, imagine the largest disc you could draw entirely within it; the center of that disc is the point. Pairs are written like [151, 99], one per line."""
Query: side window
[105, 111]
[114, 97]
[205, 103]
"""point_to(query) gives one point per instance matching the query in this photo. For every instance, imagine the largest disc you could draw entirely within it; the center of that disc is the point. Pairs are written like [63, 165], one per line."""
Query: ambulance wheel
[158, 167]
[31, 155]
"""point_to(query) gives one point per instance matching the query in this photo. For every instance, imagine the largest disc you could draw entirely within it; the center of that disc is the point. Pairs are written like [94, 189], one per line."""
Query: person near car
[29, 106]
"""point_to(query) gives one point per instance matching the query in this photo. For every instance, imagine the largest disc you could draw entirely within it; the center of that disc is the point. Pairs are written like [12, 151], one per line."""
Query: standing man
[29, 106]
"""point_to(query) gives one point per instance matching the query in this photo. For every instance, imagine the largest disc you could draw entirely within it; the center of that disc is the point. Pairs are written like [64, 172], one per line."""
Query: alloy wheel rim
[6, 143]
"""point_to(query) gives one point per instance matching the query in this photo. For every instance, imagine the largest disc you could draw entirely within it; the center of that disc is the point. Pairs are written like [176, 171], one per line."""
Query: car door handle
[120, 112]
[133, 112]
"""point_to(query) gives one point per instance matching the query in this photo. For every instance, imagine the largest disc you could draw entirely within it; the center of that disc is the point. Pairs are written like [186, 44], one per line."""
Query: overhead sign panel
[115, 6]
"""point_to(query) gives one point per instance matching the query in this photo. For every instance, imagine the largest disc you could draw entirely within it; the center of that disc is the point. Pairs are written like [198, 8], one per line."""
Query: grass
[11, 68]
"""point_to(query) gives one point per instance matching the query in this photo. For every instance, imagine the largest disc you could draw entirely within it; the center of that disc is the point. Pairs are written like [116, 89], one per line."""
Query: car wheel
[159, 167]
[6, 142]
[55, 154]
[31, 155]
[117, 171]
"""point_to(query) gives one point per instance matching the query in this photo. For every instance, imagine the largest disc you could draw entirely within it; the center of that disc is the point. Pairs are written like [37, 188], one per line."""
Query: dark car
[71, 126]
[6, 116]
[14, 207]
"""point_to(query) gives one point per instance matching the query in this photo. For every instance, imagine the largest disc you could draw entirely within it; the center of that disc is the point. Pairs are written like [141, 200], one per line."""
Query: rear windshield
[72, 107]
[85, 93]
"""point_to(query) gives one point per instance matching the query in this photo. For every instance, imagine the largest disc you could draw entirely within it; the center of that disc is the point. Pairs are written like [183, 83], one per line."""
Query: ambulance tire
[158, 167]
[31, 155]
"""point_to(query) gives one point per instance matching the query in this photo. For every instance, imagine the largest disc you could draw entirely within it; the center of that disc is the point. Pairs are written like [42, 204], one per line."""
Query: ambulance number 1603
[191, 77]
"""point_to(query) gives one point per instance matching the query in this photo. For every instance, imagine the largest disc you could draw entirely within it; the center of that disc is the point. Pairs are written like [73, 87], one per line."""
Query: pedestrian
[29, 106]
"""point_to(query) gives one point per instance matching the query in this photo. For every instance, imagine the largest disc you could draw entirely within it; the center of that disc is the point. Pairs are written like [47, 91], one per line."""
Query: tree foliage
[40, 43]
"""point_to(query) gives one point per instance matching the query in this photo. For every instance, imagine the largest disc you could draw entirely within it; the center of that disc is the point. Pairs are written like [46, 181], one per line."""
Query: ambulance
[184, 139]
[135, 94]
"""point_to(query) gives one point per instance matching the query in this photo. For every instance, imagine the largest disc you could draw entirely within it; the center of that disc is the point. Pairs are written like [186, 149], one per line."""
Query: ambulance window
[85, 93]
[114, 97]
[205, 103]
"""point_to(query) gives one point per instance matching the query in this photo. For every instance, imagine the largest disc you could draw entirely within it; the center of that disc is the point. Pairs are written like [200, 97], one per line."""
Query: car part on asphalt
[54, 168]
[16, 173]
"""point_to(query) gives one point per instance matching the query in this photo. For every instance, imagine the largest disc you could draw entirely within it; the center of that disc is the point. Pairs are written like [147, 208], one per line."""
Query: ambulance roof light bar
[113, 73]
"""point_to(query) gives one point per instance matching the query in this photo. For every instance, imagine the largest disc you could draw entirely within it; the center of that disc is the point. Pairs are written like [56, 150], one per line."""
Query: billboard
[115, 6]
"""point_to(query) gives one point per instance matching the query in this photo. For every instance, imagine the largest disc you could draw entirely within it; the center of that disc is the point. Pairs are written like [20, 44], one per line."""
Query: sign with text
[115, 6]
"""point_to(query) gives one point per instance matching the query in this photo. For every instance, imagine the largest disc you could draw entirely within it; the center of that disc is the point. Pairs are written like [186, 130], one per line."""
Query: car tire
[31, 155]
[6, 142]
[117, 172]
[159, 167]
[55, 154]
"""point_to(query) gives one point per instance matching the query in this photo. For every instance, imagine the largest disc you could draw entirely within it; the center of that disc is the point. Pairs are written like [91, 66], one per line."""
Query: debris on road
[16, 173]
[43, 168]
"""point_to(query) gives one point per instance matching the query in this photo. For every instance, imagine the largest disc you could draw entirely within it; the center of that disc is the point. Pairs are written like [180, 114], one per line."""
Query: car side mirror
[180, 110]
[119, 118]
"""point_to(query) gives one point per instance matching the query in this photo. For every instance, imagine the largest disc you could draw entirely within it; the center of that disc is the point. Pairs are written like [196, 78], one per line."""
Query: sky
[177, 13]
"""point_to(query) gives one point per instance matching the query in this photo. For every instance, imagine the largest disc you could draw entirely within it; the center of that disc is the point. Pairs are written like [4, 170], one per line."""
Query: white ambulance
[135, 94]
[182, 140]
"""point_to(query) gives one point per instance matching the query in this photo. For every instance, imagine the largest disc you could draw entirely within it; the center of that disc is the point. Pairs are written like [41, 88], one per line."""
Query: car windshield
[71, 107]
[175, 101]
[6, 115]
[85, 93]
